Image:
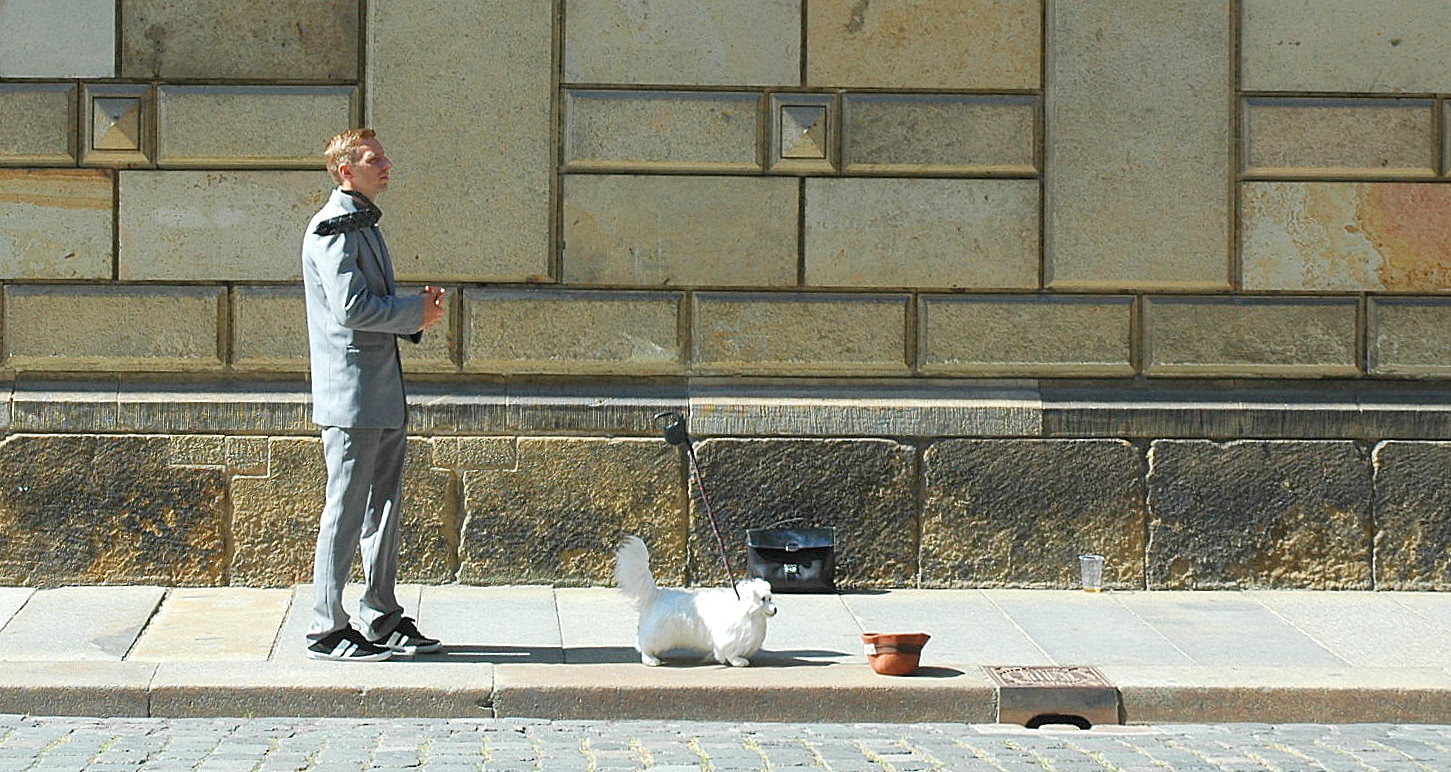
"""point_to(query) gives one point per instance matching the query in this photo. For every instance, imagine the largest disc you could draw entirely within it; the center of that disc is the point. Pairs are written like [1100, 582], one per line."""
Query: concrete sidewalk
[1264, 656]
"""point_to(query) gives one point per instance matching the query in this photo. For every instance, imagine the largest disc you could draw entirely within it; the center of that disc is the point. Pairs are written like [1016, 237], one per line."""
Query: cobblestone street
[276, 744]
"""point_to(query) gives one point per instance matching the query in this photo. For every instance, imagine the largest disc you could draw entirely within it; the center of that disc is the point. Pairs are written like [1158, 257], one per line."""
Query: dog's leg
[648, 658]
[737, 661]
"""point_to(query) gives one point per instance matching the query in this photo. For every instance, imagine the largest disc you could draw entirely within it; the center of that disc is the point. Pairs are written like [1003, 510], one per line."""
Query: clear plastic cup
[1091, 569]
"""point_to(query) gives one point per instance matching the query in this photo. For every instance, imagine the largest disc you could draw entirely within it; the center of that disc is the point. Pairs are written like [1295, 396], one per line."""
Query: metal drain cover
[1029, 692]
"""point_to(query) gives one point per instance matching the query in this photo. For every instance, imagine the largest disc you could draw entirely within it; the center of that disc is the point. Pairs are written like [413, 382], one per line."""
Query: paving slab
[12, 599]
[596, 624]
[291, 645]
[492, 624]
[1211, 628]
[813, 629]
[102, 623]
[96, 688]
[1368, 629]
[966, 628]
[1082, 628]
[214, 623]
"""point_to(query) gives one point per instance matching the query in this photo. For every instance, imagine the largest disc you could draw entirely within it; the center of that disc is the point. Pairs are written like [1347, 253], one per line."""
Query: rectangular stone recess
[883, 232]
[316, 40]
[1137, 145]
[699, 43]
[465, 100]
[112, 328]
[562, 331]
[1345, 236]
[702, 130]
[51, 39]
[250, 125]
[56, 223]
[1339, 137]
[39, 121]
[1025, 335]
[1345, 45]
[680, 230]
[1409, 336]
[194, 225]
[943, 133]
[799, 333]
[1027, 692]
[1250, 336]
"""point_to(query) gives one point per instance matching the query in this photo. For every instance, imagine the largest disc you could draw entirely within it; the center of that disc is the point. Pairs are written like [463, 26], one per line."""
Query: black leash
[673, 425]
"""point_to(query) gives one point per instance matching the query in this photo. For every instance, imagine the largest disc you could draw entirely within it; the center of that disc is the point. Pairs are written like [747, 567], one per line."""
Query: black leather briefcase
[793, 559]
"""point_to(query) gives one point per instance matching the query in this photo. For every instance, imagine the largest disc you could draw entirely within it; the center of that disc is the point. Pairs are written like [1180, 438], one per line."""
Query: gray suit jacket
[353, 324]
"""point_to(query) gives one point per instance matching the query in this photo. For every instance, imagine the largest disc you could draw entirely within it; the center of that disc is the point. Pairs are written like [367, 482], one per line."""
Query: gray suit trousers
[364, 490]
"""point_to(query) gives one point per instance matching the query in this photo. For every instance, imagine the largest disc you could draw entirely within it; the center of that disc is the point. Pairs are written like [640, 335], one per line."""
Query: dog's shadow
[600, 655]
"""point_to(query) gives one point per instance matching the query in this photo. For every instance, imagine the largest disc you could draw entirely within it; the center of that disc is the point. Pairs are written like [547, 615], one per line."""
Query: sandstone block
[702, 43]
[951, 44]
[921, 233]
[799, 333]
[250, 125]
[559, 514]
[1026, 335]
[275, 517]
[1250, 336]
[1259, 513]
[1018, 513]
[74, 327]
[437, 351]
[58, 39]
[1342, 45]
[117, 128]
[701, 130]
[1355, 236]
[108, 509]
[1412, 496]
[513, 331]
[194, 225]
[1409, 336]
[55, 223]
[246, 40]
[468, 454]
[40, 123]
[464, 99]
[1339, 137]
[1137, 143]
[862, 488]
[269, 328]
[951, 133]
[679, 230]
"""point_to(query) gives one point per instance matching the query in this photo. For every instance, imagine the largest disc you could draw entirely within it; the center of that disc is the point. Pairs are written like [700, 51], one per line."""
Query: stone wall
[758, 206]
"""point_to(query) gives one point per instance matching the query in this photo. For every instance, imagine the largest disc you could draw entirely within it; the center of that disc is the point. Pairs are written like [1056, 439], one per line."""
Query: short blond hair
[343, 148]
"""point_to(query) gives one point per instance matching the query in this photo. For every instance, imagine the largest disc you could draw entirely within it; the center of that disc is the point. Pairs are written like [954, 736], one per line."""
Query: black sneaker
[347, 645]
[405, 639]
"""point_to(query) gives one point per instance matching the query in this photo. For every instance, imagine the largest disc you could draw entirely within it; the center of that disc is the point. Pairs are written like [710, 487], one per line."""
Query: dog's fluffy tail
[632, 572]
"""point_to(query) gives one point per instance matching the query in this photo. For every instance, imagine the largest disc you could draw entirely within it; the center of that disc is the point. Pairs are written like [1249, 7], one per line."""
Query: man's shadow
[581, 655]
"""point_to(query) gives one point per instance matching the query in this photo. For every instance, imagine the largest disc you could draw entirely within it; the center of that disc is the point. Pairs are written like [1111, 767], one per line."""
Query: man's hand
[433, 306]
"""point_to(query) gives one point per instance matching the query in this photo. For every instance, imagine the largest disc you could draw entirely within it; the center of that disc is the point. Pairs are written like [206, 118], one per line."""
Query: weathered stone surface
[921, 233]
[1250, 336]
[275, 517]
[701, 43]
[470, 454]
[232, 407]
[701, 130]
[269, 328]
[1338, 137]
[678, 230]
[75, 327]
[802, 133]
[1409, 336]
[958, 133]
[248, 40]
[250, 125]
[108, 509]
[1137, 144]
[117, 129]
[185, 225]
[1343, 45]
[55, 223]
[559, 514]
[1259, 513]
[862, 488]
[465, 98]
[1018, 513]
[799, 333]
[512, 331]
[1026, 335]
[1412, 496]
[58, 39]
[39, 121]
[961, 44]
[1391, 236]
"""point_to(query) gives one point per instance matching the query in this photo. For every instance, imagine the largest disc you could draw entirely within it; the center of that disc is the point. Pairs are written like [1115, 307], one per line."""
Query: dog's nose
[770, 609]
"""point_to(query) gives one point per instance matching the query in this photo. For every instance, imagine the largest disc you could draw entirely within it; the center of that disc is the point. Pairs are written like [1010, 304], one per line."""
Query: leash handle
[672, 424]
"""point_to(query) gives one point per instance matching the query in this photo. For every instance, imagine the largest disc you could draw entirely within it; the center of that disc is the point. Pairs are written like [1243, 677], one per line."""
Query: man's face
[369, 174]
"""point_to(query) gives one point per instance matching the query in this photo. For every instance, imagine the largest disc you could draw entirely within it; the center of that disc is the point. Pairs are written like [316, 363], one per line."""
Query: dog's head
[757, 592]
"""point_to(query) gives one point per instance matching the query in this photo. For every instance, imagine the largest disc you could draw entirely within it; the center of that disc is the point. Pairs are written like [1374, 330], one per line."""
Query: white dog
[713, 620]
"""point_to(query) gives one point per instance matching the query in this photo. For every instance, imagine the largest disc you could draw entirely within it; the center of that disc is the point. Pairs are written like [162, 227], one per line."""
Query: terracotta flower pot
[894, 653]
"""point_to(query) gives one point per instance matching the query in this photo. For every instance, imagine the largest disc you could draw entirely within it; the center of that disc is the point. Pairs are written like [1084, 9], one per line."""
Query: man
[354, 320]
